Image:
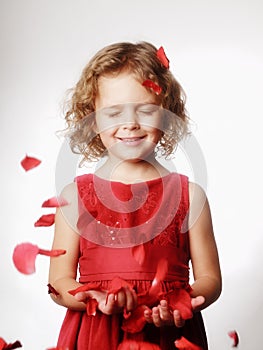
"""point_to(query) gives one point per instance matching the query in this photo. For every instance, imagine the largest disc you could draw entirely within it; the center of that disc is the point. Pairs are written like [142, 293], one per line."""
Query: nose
[130, 120]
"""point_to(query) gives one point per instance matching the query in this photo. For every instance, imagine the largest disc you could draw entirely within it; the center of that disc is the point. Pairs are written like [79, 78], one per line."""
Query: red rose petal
[52, 253]
[52, 290]
[24, 256]
[138, 252]
[2, 343]
[5, 346]
[117, 284]
[136, 321]
[137, 345]
[54, 202]
[58, 348]
[153, 86]
[185, 344]
[180, 299]
[29, 163]
[161, 272]
[162, 57]
[45, 220]
[234, 336]
[91, 306]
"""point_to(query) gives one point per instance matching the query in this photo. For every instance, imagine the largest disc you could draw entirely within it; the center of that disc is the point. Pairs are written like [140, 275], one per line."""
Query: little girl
[132, 227]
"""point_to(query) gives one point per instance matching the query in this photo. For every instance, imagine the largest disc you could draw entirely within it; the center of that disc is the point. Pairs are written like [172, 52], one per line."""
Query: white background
[215, 50]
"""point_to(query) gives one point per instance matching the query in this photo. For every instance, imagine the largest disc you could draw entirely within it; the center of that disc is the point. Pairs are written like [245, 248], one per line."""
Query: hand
[125, 299]
[161, 315]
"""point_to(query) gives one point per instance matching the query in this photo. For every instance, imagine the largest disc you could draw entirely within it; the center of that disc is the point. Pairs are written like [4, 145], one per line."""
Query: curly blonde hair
[141, 60]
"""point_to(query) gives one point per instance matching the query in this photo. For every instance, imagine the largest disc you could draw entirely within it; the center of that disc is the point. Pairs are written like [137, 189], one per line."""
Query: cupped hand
[125, 299]
[161, 315]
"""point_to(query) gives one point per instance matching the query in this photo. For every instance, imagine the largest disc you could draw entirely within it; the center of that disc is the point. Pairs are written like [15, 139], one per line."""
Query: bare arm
[63, 270]
[203, 250]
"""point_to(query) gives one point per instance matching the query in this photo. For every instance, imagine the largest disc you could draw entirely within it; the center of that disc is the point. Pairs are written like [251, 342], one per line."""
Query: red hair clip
[153, 86]
[162, 57]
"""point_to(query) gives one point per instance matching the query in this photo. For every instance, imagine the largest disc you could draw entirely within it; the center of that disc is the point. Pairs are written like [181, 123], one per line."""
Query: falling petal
[153, 86]
[24, 256]
[86, 287]
[185, 344]
[45, 220]
[29, 163]
[151, 296]
[117, 284]
[136, 321]
[161, 272]
[52, 253]
[162, 57]
[137, 345]
[234, 336]
[54, 202]
[180, 299]
[52, 290]
[5, 346]
[138, 253]
[91, 306]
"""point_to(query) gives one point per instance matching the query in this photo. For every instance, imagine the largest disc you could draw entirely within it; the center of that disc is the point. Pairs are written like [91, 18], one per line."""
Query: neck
[132, 172]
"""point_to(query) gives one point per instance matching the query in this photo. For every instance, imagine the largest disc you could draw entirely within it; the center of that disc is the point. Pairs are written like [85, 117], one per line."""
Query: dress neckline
[151, 181]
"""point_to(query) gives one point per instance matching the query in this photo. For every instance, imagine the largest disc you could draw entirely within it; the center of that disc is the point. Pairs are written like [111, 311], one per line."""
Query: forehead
[122, 88]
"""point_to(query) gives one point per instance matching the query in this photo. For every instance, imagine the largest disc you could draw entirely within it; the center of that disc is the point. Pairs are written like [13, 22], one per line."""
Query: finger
[108, 306]
[197, 302]
[110, 301]
[148, 316]
[164, 311]
[131, 299]
[156, 317]
[120, 299]
[178, 321]
[81, 296]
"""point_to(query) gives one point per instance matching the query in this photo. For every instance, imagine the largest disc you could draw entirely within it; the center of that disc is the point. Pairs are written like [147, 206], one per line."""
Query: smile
[131, 141]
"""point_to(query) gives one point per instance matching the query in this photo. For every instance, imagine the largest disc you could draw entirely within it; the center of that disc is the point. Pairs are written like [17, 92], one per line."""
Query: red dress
[114, 220]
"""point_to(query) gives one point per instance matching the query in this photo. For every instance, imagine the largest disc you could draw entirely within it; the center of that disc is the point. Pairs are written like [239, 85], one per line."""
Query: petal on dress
[138, 252]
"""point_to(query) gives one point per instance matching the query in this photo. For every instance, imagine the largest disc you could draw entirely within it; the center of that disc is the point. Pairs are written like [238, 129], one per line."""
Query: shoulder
[70, 192]
[199, 206]
[196, 192]
[70, 211]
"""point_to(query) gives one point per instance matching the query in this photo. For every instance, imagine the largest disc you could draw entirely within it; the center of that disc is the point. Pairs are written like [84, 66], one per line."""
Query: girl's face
[128, 119]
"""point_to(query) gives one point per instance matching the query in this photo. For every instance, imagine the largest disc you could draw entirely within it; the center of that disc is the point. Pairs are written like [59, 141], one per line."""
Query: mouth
[132, 141]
